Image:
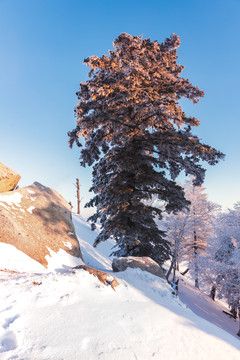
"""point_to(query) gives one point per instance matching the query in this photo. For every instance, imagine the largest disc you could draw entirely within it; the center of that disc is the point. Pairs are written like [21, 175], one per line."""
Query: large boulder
[37, 221]
[8, 178]
[143, 263]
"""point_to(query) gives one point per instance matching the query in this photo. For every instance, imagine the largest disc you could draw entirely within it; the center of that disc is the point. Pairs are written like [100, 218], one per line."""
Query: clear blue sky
[43, 44]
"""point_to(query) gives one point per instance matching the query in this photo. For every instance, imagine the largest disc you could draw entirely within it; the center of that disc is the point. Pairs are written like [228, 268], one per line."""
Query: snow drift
[70, 316]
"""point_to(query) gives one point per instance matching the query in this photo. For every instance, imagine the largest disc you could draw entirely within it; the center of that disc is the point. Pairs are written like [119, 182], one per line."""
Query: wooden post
[78, 197]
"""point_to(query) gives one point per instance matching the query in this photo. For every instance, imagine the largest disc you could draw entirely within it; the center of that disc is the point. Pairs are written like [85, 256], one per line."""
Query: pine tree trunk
[234, 312]
[213, 292]
[174, 257]
[196, 269]
[196, 283]
[174, 272]
[238, 334]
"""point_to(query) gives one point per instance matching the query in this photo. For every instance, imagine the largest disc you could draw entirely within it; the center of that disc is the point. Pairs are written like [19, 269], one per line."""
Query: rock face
[143, 263]
[37, 221]
[8, 178]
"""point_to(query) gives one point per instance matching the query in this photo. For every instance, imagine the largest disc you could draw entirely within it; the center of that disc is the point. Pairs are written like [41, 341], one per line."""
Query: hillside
[61, 314]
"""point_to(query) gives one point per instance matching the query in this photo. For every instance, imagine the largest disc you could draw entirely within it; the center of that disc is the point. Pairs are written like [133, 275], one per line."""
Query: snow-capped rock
[37, 221]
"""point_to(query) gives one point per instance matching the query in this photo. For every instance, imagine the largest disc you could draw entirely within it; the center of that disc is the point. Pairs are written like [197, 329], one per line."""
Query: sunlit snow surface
[71, 316]
[11, 258]
[10, 200]
[61, 260]
[30, 209]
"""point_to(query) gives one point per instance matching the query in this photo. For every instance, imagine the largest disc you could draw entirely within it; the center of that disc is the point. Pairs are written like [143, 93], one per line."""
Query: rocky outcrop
[37, 220]
[8, 178]
[143, 263]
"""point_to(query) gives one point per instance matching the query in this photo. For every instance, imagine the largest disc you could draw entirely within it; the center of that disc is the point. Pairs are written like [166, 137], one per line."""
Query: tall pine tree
[139, 139]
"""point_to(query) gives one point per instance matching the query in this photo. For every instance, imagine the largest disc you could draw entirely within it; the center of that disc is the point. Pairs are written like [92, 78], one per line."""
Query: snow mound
[15, 260]
[61, 260]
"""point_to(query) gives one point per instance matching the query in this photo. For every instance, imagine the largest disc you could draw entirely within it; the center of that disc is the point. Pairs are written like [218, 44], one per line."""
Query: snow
[16, 260]
[61, 260]
[13, 199]
[11, 258]
[2, 204]
[30, 209]
[70, 315]
[31, 191]
[202, 305]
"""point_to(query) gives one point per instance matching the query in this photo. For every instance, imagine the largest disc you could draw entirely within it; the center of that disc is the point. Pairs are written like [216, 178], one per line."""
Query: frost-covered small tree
[176, 227]
[222, 263]
[188, 230]
[198, 227]
[227, 257]
[139, 139]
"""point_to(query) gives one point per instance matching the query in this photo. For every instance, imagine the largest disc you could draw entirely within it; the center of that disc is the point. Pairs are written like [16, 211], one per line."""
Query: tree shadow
[159, 291]
[53, 212]
[94, 257]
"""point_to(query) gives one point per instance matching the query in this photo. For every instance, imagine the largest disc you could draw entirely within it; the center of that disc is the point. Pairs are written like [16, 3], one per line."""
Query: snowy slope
[56, 315]
[202, 305]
